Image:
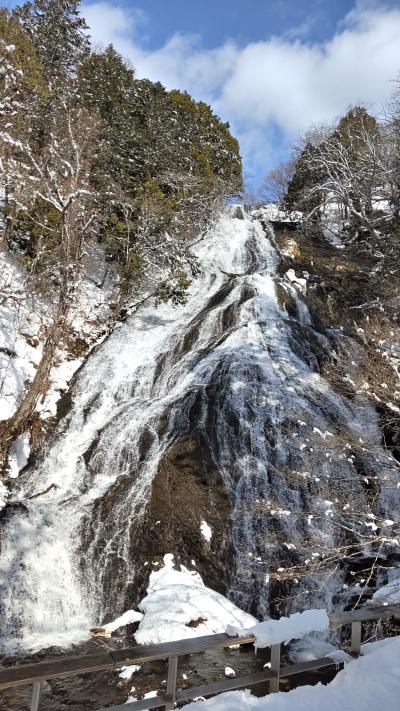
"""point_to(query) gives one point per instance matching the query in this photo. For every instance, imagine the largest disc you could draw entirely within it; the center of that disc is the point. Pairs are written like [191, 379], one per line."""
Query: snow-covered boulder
[178, 605]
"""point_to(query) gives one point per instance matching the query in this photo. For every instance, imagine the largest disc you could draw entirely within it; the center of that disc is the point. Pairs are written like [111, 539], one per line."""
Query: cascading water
[231, 371]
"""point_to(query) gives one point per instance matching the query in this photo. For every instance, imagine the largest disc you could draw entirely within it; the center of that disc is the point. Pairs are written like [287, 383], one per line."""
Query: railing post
[171, 683]
[356, 638]
[35, 696]
[275, 668]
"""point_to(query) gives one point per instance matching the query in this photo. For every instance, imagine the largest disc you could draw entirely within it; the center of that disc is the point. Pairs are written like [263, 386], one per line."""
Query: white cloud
[281, 83]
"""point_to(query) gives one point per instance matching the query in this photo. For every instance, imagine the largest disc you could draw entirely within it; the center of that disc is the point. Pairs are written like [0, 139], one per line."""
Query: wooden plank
[154, 703]
[152, 652]
[171, 683]
[369, 612]
[35, 696]
[275, 668]
[102, 661]
[356, 637]
[226, 685]
[59, 668]
[292, 669]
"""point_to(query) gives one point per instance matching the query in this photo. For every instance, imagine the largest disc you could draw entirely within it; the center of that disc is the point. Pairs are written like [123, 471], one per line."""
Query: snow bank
[286, 628]
[176, 598]
[369, 683]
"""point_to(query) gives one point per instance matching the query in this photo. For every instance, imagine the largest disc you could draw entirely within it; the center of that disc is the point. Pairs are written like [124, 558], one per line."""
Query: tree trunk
[10, 216]
[13, 427]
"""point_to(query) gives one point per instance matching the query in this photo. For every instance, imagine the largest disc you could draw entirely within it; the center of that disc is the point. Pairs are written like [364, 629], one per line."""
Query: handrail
[113, 658]
[11, 677]
[364, 614]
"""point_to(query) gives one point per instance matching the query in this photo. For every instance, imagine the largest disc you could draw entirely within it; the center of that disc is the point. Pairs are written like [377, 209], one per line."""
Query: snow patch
[206, 531]
[230, 673]
[127, 672]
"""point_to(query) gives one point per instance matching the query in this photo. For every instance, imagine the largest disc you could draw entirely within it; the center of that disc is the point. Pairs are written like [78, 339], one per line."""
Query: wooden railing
[11, 677]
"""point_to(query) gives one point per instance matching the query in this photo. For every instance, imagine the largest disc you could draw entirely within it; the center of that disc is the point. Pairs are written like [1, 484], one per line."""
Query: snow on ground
[22, 319]
[286, 628]
[177, 597]
[25, 318]
[270, 211]
[127, 672]
[369, 683]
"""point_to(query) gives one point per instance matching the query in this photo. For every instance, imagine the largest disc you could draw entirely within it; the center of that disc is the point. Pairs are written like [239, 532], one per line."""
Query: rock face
[210, 413]
[188, 489]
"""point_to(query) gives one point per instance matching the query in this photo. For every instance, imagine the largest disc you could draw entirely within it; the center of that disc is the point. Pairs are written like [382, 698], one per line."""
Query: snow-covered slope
[369, 683]
[25, 318]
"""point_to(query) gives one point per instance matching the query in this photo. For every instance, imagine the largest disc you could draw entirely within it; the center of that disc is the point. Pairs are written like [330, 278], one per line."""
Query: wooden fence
[11, 677]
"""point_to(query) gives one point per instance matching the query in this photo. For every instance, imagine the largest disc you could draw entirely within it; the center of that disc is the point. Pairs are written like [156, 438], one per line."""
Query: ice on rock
[3, 495]
[388, 594]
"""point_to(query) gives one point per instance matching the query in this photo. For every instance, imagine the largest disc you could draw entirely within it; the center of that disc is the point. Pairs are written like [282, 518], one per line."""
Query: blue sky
[250, 20]
[269, 67]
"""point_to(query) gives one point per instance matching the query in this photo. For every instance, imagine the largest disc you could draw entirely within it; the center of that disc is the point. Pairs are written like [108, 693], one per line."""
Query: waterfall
[233, 370]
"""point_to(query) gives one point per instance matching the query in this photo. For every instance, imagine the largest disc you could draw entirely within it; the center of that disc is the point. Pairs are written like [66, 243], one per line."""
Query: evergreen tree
[23, 91]
[107, 86]
[166, 158]
[59, 33]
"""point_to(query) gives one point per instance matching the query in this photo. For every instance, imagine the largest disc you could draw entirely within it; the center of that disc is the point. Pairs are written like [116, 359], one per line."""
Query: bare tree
[354, 176]
[275, 184]
[393, 146]
[51, 189]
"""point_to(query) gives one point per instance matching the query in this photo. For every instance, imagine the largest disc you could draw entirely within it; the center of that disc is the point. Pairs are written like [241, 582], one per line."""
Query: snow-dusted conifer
[59, 33]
